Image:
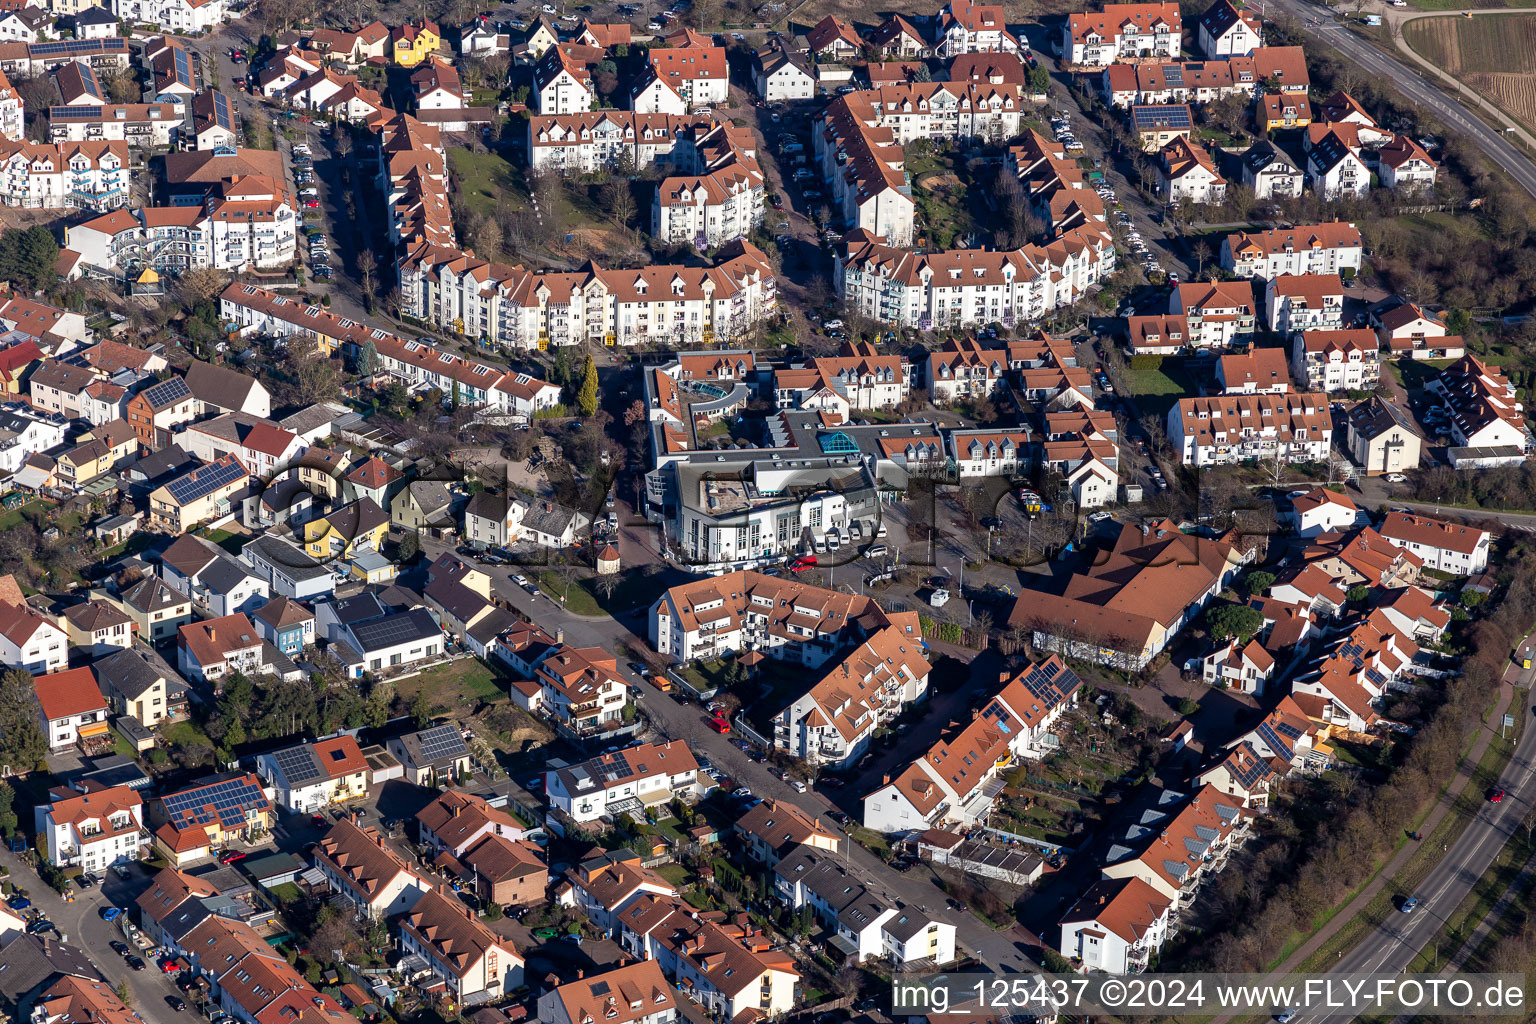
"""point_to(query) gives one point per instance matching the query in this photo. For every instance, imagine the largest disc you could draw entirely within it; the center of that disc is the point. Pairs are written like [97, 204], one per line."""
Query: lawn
[485, 180]
[676, 874]
[455, 683]
[29, 512]
[1159, 381]
[234, 543]
[574, 596]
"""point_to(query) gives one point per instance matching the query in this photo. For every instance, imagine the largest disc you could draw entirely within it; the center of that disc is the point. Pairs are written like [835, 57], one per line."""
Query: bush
[1187, 706]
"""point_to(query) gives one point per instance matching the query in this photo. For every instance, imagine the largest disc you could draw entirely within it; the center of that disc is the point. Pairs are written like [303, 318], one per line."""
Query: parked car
[230, 856]
[136, 962]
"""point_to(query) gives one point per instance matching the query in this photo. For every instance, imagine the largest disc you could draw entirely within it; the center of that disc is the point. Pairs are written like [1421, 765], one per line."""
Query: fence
[741, 726]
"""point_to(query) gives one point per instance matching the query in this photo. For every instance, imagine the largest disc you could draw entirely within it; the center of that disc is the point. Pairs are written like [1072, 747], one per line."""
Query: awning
[93, 730]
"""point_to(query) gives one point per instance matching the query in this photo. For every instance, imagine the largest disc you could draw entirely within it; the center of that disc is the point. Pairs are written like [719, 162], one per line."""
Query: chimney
[560, 636]
[213, 634]
[885, 780]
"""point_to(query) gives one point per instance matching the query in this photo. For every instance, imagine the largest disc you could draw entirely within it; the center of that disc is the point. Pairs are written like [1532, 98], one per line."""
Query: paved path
[1397, 18]
[1395, 941]
[1372, 61]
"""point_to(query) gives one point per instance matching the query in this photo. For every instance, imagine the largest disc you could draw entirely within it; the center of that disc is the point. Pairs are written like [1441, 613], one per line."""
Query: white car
[1395, 478]
[833, 325]
[520, 579]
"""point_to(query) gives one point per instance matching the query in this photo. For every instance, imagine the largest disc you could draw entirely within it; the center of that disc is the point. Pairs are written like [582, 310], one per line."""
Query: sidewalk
[1451, 794]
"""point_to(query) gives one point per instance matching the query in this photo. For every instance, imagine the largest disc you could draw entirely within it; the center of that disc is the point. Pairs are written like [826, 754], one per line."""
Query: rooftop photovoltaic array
[183, 66]
[88, 76]
[222, 115]
[1162, 117]
[224, 802]
[204, 481]
[69, 47]
[395, 629]
[168, 391]
[441, 742]
[64, 113]
[298, 765]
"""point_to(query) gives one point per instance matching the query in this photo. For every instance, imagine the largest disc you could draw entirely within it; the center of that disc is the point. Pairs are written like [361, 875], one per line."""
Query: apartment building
[138, 124]
[1337, 360]
[956, 781]
[965, 27]
[965, 287]
[1259, 371]
[862, 923]
[1176, 81]
[625, 782]
[858, 378]
[62, 175]
[184, 17]
[1332, 248]
[1483, 406]
[1117, 925]
[91, 830]
[1120, 31]
[1335, 167]
[1186, 173]
[1219, 314]
[634, 994]
[13, 111]
[1271, 173]
[71, 708]
[1383, 438]
[515, 308]
[723, 203]
[681, 79]
[1305, 302]
[1225, 429]
[1229, 30]
[782, 75]
[1405, 167]
[1444, 546]
[1178, 843]
[463, 954]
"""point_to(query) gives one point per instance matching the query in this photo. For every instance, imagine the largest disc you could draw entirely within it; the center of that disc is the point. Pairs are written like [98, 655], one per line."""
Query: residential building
[136, 689]
[1179, 842]
[216, 582]
[396, 640]
[1308, 302]
[184, 17]
[1321, 511]
[218, 389]
[29, 640]
[91, 830]
[727, 969]
[260, 445]
[431, 755]
[956, 781]
[314, 775]
[155, 410]
[1335, 168]
[72, 709]
[157, 609]
[634, 994]
[978, 453]
[13, 110]
[1483, 406]
[492, 520]
[61, 175]
[455, 822]
[1187, 174]
[1158, 334]
[58, 387]
[1126, 607]
[285, 624]
[1220, 314]
[98, 627]
[1408, 331]
[1096, 39]
[1383, 438]
[505, 871]
[1157, 124]
[191, 824]
[359, 865]
[1444, 546]
[965, 27]
[466, 956]
[1176, 81]
[1227, 29]
[203, 495]
[605, 884]
[1259, 371]
[862, 925]
[1333, 248]
[781, 75]
[358, 526]
[1283, 742]
[772, 829]
[897, 39]
[1277, 111]
[1234, 665]
[1404, 166]
[625, 782]
[1118, 924]
[1271, 173]
[1224, 429]
[210, 649]
[970, 287]
[1337, 360]
[563, 79]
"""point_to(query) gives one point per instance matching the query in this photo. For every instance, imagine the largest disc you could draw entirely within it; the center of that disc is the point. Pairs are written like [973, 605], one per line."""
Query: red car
[230, 856]
[169, 966]
[1496, 797]
[311, 204]
[720, 725]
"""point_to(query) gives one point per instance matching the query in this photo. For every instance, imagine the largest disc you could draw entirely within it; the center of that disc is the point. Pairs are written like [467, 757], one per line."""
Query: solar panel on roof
[58, 113]
[88, 76]
[221, 112]
[204, 481]
[297, 764]
[442, 741]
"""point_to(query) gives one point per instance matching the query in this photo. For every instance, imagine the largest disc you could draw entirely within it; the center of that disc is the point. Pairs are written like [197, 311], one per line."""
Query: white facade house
[1116, 926]
[1225, 429]
[1341, 360]
[781, 76]
[56, 176]
[1097, 39]
[625, 782]
[1405, 166]
[91, 831]
[1228, 30]
[1309, 302]
[1332, 248]
[30, 641]
[184, 17]
[1336, 170]
[634, 994]
[1446, 546]
[1323, 511]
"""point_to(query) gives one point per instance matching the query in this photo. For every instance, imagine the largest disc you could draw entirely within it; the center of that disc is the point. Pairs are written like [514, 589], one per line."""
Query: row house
[862, 924]
[1157, 334]
[981, 453]
[1331, 248]
[587, 142]
[357, 864]
[28, 60]
[1307, 302]
[1337, 360]
[413, 175]
[835, 721]
[1274, 111]
[957, 780]
[351, 47]
[1345, 682]
[1482, 405]
[966, 287]
[771, 829]
[1120, 31]
[859, 376]
[1444, 546]
[53, 176]
[965, 371]
[606, 883]
[1284, 742]
[1224, 429]
[516, 308]
[637, 993]
[1128, 85]
[863, 164]
[1178, 843]
[471, 962]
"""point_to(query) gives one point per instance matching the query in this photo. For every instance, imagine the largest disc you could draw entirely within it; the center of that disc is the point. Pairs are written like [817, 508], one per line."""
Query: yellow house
[541, 36]
[321, 471]
[360, 526]
[414, 41]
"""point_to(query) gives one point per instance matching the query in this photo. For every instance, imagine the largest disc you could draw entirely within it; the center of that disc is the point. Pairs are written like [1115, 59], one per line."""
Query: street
[999, 950]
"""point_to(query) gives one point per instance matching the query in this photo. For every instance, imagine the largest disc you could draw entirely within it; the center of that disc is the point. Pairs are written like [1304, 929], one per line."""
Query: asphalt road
[1393, 944]
[1411, 83]
[1001, 950]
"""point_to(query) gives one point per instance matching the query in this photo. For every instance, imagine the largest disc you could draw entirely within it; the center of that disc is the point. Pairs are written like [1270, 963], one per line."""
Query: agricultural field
[1495, 55]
